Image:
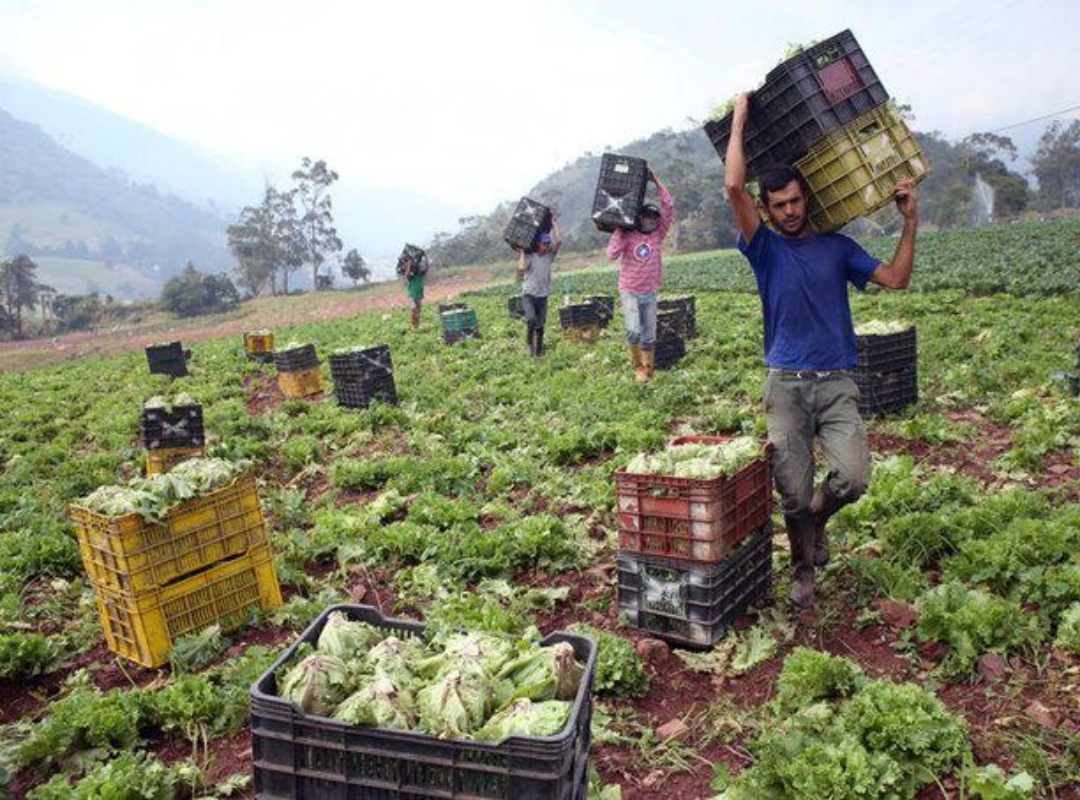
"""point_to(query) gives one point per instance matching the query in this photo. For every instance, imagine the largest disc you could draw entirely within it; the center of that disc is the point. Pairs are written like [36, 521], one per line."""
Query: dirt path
[268, 312]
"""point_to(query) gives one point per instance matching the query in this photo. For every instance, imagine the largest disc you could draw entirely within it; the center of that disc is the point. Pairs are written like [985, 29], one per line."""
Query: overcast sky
[473, 102]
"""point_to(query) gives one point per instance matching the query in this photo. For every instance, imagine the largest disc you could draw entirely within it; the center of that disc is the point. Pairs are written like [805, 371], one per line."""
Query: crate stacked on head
[825, 112]
[259, 346]
[171, 432]
[529, 220]
[620, 192]
[156, 578]
[298, 372]
[168, 359]
[371, 760]
[580, 322]
[362, 375]
[694, 553]
[412, 261]
[458, 322]
[605, 307]
[887, 369]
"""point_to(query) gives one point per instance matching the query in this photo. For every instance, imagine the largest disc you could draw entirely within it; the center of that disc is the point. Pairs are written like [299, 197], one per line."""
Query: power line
[1036, 119]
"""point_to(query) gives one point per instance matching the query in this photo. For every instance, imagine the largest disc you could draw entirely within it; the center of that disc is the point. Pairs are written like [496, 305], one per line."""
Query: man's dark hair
[776, 178]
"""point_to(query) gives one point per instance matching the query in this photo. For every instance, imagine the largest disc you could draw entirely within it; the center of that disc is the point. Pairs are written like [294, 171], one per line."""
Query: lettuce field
[942, 660]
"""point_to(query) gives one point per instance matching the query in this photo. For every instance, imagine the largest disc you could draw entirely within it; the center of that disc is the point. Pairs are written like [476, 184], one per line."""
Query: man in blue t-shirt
[802, 278]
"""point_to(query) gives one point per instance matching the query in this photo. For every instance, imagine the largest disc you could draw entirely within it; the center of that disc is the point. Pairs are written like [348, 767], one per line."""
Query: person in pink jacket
[640, 275]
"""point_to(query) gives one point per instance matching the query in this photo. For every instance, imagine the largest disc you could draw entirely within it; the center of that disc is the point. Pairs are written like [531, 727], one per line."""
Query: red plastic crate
[690, 518]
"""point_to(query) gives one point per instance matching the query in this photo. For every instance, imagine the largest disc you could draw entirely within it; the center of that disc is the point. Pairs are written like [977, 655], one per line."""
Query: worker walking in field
[413, 271]
[640, 276]
[810, 349]
[534, 269]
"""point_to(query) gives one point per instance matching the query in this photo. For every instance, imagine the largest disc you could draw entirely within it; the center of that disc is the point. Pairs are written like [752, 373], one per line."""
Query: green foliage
[993, 783]
[810, 675]
[195, 651]
[23, 655]
[129, 776]
[1068, 635]
[192, 293]
[619, 669]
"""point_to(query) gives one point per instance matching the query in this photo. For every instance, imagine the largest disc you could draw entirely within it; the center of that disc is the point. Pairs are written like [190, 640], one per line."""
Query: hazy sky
[473, 102]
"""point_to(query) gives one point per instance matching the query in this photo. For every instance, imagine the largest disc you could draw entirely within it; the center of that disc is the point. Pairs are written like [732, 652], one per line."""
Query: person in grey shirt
[534, 269]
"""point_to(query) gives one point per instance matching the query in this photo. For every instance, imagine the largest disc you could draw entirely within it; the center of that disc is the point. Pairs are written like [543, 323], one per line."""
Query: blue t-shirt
[804, 296]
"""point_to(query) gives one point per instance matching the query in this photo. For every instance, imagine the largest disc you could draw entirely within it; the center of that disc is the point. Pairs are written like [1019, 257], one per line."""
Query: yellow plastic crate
[259, 344]
[162, 460]
[852, 172]
[300, 384]
[584, 334]
[142, 627]
[129, 554]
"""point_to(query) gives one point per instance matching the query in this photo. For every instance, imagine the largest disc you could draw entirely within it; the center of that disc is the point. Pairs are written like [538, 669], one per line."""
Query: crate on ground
[447, 307]
[362, 364]
[178, 426]
[696, 519]
[668, 352]
[620, 191]
[160, 461]
[852, 172]
[690, 604]
[259, 345]
[886, 392]
[515, 307]
[168, 359]
[453, 337]
[300, 384]
[576, 315]
[300, 755]
[582, 334]
[885, 352]
[144, 626]
[529, 220]
[361, 394]
[459, 321]
[804, 99]
[129, 554]
[686, 314]
[296, 359]
[605, 307]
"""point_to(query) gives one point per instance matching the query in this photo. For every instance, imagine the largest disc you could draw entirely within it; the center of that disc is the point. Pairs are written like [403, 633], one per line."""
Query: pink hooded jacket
[640, 267]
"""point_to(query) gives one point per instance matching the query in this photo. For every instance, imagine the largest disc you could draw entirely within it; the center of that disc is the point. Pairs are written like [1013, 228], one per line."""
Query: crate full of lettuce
[384, 708]
[696, 499]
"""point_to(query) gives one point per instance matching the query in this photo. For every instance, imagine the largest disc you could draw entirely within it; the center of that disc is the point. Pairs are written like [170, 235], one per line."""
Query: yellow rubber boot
[647, 361]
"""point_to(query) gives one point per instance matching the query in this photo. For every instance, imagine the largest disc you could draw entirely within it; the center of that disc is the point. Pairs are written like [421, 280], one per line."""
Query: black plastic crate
[886, 392]
[803, 99]
[620, 191]
[686, 306]
[579, 315]
[529, 220]
[179, 426]
[412, 261]
[605, 307]
[668, 352]
[887, 352]
[515, 307]
[168, 359]
[453, 337]
[363, 364]
[692, 604]
[299, 755]
[296, 359]
[360, 394]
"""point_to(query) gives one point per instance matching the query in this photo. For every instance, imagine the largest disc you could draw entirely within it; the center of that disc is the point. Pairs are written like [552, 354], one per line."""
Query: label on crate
[663, 590]
[621, 167]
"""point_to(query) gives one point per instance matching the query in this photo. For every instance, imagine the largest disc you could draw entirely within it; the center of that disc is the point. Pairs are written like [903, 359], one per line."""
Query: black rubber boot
[801, 536]
[539, 342]
[823, 505]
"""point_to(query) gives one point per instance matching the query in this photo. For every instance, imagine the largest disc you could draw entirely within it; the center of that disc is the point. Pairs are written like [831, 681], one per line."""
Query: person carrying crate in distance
[535, 271]
[413, 274]
[640, 276]
[810, 346]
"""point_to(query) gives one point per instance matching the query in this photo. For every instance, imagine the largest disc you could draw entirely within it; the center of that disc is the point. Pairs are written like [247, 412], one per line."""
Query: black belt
[809, 374]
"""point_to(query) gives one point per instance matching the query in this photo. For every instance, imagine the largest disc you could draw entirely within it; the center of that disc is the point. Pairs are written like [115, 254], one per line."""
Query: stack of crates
[825, 112]
[168, 359]
[670, 345]
[529, 220]
[605, 307]
[363, 375]
[887, 372]
[458, 322]
[207, 562]
[298, 371]
[686, 308]
[694, 553]
[300, 755]
[259, 346]
[580, 322]
[620, 192]
[172, 435]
